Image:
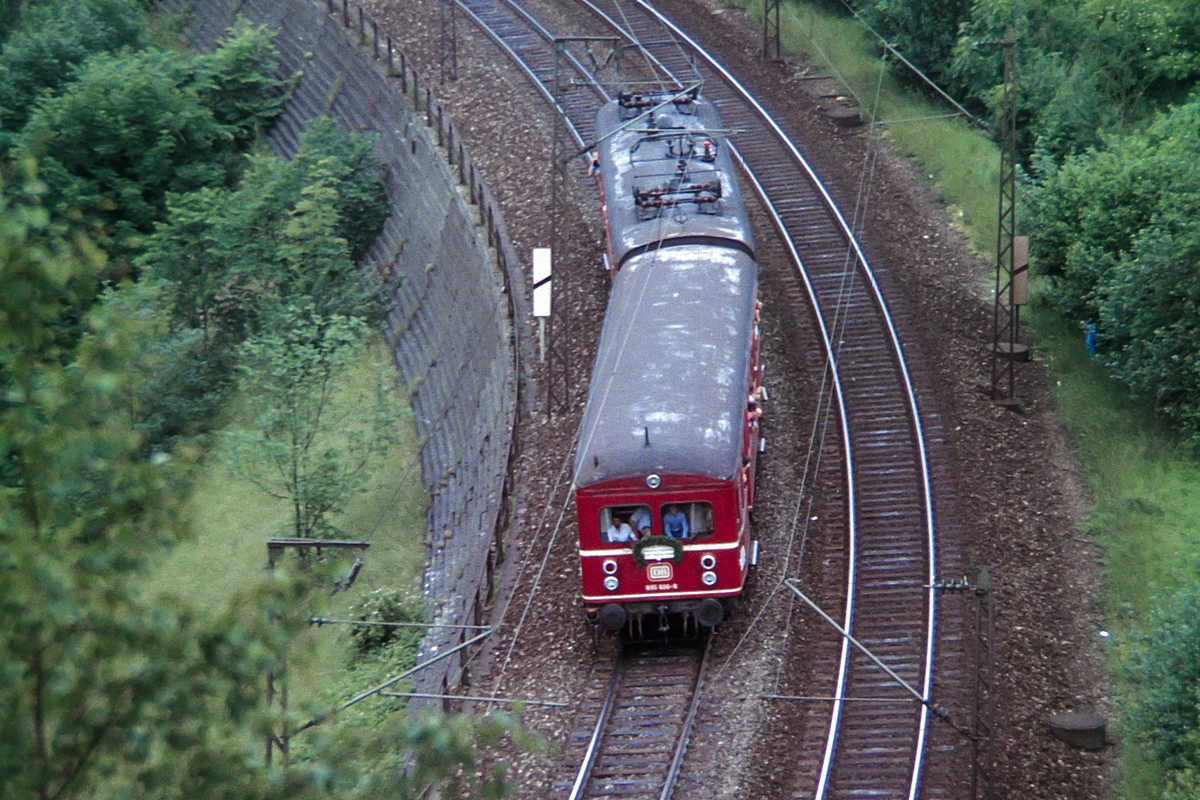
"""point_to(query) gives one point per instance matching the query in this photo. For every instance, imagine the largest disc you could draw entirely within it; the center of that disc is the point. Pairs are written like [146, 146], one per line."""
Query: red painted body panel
[729, 544]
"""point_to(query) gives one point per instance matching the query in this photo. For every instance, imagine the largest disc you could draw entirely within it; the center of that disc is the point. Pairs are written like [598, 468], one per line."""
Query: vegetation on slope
[169, 299]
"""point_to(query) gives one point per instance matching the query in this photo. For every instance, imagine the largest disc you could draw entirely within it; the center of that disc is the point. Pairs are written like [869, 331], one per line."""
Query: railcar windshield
[687, 520]
[625, 524]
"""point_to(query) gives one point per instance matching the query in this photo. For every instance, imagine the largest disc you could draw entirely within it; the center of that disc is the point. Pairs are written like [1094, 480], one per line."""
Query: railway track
[874, 745]
[642, 722]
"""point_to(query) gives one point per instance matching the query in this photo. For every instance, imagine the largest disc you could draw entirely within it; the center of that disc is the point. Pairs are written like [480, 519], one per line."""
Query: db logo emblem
[659, 572]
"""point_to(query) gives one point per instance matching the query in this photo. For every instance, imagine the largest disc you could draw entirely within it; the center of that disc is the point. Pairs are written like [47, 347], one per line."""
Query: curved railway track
[643, 722]
[874, 746]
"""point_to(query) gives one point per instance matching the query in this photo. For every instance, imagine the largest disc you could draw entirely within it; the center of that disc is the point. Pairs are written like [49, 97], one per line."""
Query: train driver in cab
[619, 531]
[675, 523]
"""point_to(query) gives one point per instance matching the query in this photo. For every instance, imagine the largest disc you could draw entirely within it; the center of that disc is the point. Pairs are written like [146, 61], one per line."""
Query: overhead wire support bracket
[939, 712]
[317, 720]
[791, 584]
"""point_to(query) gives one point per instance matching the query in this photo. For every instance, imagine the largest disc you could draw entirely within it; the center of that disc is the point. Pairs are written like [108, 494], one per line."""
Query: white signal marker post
[541, 294]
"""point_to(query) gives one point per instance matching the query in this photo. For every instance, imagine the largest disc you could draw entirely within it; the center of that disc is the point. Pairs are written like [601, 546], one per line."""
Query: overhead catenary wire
[887, 46]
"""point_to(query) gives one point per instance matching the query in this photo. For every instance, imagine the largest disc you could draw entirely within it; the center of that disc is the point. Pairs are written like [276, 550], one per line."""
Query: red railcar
[670, 433]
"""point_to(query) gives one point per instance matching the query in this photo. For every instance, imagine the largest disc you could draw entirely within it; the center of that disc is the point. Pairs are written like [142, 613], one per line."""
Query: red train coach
[664, 471]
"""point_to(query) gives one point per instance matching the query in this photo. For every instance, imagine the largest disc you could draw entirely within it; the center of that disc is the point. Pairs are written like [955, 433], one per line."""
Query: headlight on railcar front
[611, 583]
[708, 561]
[609, 567]
[708, 578]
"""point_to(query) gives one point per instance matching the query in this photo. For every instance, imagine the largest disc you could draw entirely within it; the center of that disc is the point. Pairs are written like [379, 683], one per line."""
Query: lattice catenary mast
[1012, 251]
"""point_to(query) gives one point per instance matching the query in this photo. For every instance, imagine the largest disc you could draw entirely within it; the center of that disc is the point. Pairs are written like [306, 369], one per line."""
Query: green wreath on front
[652, 541]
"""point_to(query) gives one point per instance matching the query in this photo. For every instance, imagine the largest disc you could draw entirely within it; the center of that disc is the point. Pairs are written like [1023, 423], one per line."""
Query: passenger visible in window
[619, 531]
[675, 523]
[753, 413]
[639, 520]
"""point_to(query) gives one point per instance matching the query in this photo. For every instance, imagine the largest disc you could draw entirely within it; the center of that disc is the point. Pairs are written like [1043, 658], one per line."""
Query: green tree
[1092, 208]
[1150, 312]
[1084, 65]
[291, 229]
[237, 83]
[92, 674]
[105, 693]
[133, 127]
[302, 445]
[351, 163]
[1119, 238]
[1162, 674]
[925, 32]
[54, 38]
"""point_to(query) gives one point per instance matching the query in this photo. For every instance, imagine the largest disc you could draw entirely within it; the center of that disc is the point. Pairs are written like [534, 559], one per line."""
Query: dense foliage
[1085, 65]
[1162, 673]
[232, 260]
[134, 126]
[146, 261]
[51, 41]
[1118, 232]
[1109, 132]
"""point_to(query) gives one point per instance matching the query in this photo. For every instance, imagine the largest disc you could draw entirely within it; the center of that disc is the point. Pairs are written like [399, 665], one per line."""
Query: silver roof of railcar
[638, 155]
[673, 365]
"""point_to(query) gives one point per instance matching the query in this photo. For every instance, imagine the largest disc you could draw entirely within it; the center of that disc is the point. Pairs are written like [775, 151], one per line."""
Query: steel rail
[847, 453]
[614, 728]
[593, 748]
[681, 748]
[898, 353]
[477, 9]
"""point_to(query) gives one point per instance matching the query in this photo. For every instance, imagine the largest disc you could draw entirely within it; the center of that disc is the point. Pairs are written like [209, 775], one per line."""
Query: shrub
[388, 605]
[134, 126]
[1162, 673]
[53, 39]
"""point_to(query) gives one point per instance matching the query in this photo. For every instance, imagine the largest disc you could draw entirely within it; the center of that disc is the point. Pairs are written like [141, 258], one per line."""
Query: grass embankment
[1144, 483]
[233, 519]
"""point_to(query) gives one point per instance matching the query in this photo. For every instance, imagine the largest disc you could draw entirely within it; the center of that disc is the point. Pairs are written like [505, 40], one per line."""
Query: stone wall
[457, 287]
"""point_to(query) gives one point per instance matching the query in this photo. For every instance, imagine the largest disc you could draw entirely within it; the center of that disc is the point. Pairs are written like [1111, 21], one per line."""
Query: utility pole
[1012, 256]
[771, 32]
[983, 687]
[275, 550]
[983, 763]
[565, 149]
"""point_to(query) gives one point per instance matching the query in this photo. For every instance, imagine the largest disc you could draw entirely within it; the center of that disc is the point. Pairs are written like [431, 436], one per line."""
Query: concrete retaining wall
[458, 284]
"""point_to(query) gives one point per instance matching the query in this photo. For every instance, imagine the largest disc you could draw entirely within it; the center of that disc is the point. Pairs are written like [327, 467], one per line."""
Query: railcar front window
[623, 524]
[687, 520]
